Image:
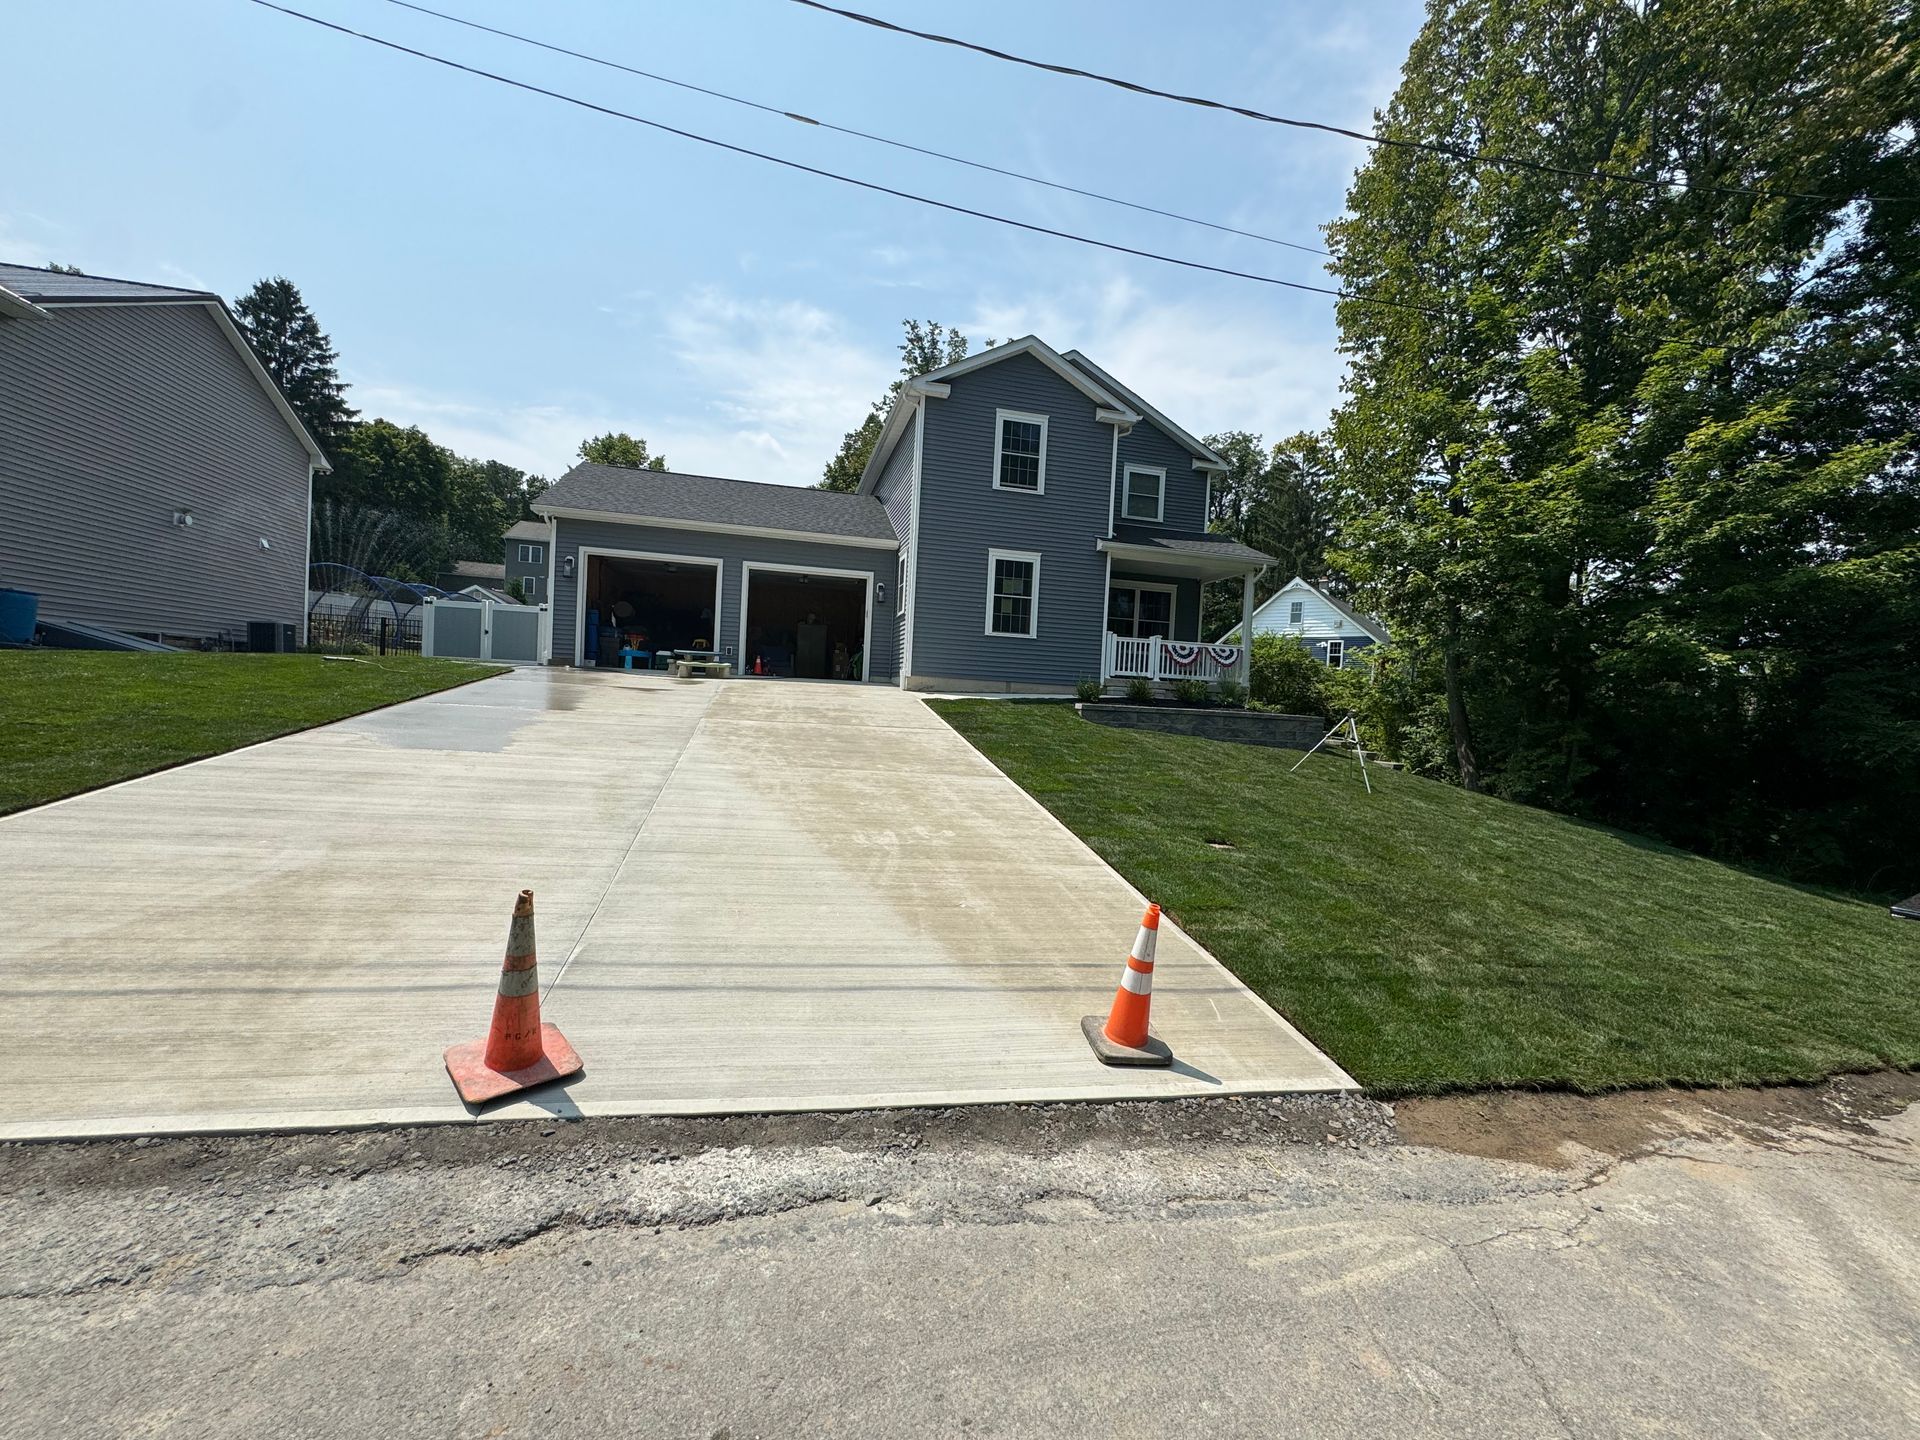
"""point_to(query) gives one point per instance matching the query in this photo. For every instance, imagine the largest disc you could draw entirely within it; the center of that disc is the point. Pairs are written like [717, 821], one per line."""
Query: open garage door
[809, 624]
[650, 604]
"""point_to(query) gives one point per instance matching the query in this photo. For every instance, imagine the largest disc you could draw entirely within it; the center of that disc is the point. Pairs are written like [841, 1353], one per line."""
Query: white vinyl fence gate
[485, 630]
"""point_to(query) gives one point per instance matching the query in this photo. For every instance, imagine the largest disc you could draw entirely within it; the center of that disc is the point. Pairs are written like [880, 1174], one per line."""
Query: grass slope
[72, 720]
[1432, 940]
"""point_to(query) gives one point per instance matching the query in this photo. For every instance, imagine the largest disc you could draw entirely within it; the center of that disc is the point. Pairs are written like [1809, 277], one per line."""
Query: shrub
[1140, 690]
[1192, 692]
[1286, 676]
[1229, 691]
[1088, 691]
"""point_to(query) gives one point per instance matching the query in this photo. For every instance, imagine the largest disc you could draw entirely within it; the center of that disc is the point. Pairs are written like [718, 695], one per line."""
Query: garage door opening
[649, 604]
[811, 625]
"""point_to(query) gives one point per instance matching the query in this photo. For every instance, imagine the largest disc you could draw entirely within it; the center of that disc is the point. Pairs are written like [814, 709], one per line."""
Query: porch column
[1246, 627]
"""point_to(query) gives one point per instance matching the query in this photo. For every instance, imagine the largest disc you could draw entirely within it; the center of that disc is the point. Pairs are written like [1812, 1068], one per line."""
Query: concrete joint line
[627, 854]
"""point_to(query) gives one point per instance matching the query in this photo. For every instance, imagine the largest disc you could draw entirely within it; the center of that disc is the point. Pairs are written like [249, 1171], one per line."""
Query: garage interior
[651, 605]
[810, 627]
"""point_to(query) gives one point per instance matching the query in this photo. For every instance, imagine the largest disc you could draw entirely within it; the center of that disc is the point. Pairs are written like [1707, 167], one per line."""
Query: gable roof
[526, 530]
[1107, 405]
[43, 292]
[711, 502]
[1209, 458]
[1367, 623]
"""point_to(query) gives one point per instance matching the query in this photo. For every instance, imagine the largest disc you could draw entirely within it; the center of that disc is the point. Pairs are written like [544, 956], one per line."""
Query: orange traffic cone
[1126, 1038]
[517, 1051]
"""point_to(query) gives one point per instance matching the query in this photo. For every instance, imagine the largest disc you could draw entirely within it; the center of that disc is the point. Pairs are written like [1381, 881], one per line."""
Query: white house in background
[1328, 627]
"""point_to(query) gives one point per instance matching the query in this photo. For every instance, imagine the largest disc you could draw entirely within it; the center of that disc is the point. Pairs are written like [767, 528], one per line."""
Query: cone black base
[1154, 1052]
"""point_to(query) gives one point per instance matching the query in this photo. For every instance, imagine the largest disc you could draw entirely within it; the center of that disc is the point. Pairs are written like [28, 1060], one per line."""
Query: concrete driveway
[750, 896]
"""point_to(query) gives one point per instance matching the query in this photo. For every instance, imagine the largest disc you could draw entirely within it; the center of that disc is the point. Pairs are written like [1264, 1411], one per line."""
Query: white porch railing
[1151, 658]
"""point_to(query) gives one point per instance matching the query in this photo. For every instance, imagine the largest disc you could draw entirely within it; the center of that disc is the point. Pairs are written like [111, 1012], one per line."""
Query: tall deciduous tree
[925, 346]
[298, 355]
[1634, 467]
[620, 448]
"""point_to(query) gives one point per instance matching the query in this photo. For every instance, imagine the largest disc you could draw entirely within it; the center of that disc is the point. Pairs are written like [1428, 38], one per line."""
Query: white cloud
[763, 390]
[1207, 367]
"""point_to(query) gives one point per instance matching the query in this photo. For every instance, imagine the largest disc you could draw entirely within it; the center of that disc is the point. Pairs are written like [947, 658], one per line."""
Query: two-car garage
[774, 580]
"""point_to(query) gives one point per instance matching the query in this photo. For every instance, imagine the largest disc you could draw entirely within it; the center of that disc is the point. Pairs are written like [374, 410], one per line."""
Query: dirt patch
[1563, 1131]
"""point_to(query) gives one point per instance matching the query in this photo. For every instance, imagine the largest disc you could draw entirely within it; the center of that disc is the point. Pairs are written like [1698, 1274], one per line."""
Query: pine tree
[298, 355]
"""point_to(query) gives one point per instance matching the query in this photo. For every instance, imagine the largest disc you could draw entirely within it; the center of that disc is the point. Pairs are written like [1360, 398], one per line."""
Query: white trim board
[587, 553]
[747, 567]
[1019, 417]
[1159, 516]
[716, 527]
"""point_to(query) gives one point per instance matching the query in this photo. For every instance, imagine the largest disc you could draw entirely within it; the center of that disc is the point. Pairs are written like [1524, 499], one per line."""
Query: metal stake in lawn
[1352, 737]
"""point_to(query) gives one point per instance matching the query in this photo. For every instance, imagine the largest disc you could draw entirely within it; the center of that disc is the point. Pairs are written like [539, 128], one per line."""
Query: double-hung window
[1294, 610]
[1020, 451]
[1336, 653]
[530, 554]
[1013, 593]
[530, 587]
[1144, 494]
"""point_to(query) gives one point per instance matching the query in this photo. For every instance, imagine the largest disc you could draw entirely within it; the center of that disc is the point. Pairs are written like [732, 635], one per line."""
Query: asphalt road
[1207, 1268]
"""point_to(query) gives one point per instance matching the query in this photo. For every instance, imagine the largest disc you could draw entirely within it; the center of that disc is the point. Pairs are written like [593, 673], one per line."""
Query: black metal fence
[375, 632]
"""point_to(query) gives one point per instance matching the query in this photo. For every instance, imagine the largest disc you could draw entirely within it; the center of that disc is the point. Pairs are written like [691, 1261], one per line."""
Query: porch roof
[1175, 552]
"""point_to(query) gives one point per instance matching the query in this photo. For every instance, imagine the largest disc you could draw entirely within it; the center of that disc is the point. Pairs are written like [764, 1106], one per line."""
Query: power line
[1431, 147]
[857, 134]
[872, 185]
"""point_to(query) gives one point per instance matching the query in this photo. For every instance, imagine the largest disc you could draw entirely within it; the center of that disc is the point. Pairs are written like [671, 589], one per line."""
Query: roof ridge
[723, 479]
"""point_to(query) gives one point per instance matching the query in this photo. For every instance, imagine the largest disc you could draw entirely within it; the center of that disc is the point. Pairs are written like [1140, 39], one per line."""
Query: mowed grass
[1431, 940]
[71, 720]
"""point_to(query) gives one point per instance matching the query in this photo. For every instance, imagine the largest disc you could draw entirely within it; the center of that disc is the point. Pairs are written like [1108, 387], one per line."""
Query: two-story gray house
[153, 478]
[526, 546]
[1026, 522]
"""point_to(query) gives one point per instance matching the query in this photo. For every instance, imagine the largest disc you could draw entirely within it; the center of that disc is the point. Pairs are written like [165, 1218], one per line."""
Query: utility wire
[872, 185]
[1431, 147]
[857, 134]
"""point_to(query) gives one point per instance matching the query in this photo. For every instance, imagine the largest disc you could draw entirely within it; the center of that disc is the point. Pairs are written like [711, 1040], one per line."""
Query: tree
[1633, 463]
[620, 448]
[59, 269]
[1279, 501]
[484, 497]
[298, 355]
[926, 346]
[381, 466]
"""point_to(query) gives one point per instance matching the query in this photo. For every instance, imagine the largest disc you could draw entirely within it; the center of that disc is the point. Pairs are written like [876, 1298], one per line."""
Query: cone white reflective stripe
[1140, 982]
[1143, 944]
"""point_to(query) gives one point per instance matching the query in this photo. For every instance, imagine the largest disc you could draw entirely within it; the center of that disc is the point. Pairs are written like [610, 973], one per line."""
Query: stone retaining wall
[1240, 727]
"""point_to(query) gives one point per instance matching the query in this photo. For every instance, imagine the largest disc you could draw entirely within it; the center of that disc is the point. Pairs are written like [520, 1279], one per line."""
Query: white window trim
[1126, 493]
[1000, 418]
[1033, 610]
[530, 586]
[1337, 654]
[1173, 601]
[530, 554]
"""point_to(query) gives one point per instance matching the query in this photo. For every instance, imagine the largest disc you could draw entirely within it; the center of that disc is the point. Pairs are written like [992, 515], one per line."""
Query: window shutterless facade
[1144, 493]
[1336, 653]
[530, 586]
[1295, 609]
[1013, 593]
[532, 554]
[1020, 451]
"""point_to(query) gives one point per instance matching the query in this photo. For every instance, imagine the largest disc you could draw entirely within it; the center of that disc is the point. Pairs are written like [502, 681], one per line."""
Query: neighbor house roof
[29, 292]
[527, 530]
[1367, 623]
[478, 570]
[709, 502]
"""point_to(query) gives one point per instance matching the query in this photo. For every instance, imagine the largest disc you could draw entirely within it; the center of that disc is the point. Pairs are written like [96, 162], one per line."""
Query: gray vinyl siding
[111, 419]
[894, 490]
[532, 574]
[963, 516]
[1186, 600]
[733, 551]
[1186, 504]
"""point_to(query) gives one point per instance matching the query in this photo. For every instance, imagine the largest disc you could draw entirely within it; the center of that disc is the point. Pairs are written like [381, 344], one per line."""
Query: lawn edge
[5, 815]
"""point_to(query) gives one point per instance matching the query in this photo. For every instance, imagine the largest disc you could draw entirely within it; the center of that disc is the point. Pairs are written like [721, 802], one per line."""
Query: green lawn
[71, 720]
[1432, 940]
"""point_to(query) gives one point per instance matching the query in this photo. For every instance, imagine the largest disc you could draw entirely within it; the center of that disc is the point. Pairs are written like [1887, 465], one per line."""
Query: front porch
[1154, 594]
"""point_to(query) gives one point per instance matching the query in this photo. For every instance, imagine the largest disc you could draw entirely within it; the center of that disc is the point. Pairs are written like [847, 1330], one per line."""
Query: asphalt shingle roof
[1197, 543]
[667, 495]
[50, 287]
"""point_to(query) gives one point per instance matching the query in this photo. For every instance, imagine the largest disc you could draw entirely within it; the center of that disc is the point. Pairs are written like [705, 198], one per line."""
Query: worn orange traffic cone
[1125, 1038]
[517, 1051]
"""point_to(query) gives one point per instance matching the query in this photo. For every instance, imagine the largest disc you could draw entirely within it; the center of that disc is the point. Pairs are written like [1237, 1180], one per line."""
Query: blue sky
[513, 274]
